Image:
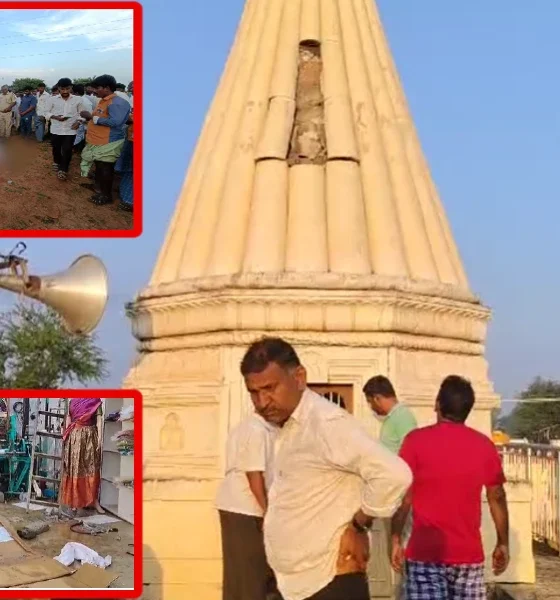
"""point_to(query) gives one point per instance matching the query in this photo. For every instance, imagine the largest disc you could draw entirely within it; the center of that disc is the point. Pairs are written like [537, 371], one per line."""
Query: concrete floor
[51, 542]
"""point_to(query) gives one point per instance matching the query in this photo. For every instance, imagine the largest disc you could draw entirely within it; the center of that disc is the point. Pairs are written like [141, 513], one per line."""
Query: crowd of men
[94, 122]
[305, 482]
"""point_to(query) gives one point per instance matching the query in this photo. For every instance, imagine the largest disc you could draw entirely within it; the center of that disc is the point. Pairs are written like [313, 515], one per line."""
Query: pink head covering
[81, 412]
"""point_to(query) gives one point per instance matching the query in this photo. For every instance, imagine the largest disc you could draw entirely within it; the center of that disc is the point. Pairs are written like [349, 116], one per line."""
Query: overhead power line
[63, 52]
[531, 400]
[70, 28]
[70, 37]
[24, 20]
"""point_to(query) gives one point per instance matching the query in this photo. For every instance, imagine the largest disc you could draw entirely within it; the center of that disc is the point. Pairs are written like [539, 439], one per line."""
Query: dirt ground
[51, 542]
[31, 196]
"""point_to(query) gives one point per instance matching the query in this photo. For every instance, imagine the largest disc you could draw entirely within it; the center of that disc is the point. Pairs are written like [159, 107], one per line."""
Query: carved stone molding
[200, 366]
[172, 396]
[310, 338]
[309, 310]
[179, 489]
[308, 281]
[163, 467]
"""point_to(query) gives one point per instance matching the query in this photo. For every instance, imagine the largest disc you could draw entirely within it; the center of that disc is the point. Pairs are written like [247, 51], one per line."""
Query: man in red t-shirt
[451, 464]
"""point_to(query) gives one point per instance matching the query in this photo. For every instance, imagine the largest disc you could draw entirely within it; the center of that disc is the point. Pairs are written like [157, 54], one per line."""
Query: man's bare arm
[258, 487]
[399, 518]
[497, 502]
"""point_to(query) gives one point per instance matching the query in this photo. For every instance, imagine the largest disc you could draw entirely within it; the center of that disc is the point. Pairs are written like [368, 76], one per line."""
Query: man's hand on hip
[353, 555]
[397, 554]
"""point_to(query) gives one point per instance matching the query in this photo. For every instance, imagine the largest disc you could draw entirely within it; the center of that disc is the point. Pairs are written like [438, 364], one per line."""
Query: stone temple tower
[308, 212]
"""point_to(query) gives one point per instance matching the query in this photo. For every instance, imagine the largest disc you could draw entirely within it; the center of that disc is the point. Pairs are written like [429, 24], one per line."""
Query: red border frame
[109, 593]
[137, 71]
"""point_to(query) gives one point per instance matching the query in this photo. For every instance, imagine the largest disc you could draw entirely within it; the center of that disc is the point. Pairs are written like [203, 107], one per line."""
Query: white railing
[538, 465]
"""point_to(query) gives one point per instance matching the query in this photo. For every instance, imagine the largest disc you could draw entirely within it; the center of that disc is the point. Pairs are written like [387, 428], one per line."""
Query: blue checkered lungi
[432, 581]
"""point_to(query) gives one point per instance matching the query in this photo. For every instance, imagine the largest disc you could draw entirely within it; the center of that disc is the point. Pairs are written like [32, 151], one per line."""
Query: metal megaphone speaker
[79, 294]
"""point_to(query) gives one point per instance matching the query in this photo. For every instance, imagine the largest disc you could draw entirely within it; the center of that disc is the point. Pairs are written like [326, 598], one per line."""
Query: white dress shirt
[69, 107]
[250, 448]
[326, 467]
[94, 100]
[43, 102]
[88, 103]
[124, 96]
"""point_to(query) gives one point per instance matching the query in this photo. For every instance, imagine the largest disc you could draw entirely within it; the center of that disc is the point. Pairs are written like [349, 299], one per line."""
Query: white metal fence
[538, 465]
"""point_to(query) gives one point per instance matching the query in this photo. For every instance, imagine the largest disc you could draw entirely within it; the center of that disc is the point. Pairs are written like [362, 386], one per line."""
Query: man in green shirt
[397, 419]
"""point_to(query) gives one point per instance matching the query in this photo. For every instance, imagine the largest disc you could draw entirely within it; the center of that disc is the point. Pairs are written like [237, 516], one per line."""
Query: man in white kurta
[63, 111]
[331, 479]
[242, 502]
[7, 103]
[16, 117]
[43, 102]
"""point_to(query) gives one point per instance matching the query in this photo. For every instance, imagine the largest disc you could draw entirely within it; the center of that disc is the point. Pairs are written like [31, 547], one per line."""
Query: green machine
[15, 462]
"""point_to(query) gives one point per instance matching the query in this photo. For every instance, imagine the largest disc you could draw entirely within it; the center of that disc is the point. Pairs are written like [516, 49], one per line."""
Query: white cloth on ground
[75, 551]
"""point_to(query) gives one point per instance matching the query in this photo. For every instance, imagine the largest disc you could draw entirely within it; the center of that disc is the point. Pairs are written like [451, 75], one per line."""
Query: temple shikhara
[308, 212]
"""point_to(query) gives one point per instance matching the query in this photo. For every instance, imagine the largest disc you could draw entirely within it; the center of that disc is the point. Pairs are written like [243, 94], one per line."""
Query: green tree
[23, 83]
[37, 352]
[536, 421]
[83, 80]
[498, 420]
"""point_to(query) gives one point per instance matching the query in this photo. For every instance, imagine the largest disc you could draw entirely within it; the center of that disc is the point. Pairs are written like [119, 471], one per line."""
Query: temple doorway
[341, 395]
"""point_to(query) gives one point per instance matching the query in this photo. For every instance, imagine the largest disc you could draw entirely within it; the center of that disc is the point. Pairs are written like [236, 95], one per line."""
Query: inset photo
[67, 473]
[69, 119]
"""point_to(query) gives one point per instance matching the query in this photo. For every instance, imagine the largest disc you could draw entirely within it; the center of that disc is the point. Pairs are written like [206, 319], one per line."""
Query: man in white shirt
[16, 118]
[7, 104]
[43, 102]
[80, 141]
[121, 91]
[90, 92]
[242, 501]
[330, 480]
[64, 114]
[131, 93]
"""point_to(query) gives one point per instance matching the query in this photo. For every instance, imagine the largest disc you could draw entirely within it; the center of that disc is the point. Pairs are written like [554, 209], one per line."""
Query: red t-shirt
[451, 464]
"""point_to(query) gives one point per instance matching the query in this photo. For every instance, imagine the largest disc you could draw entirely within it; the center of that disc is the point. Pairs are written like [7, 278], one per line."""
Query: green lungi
[108, 153]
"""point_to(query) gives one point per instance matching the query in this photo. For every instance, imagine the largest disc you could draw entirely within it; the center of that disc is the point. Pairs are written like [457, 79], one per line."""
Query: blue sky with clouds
[50, 44]
[481, 82]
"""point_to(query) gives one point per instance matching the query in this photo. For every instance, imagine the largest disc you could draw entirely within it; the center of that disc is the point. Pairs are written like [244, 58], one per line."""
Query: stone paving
[547, 586]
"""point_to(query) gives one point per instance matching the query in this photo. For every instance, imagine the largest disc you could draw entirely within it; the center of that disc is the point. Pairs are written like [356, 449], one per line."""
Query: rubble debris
[90, 529]
[32, 530]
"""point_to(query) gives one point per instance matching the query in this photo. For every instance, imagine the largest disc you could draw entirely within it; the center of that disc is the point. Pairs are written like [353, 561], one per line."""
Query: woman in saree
[81, 475]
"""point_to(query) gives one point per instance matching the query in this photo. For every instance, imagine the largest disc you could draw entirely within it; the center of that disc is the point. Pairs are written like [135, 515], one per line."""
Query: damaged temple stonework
[308, 144]
[309, 213]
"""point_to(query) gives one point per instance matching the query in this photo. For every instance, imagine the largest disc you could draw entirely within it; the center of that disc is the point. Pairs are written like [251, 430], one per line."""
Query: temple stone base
[182, 556]
[522, 564]
[194, 396]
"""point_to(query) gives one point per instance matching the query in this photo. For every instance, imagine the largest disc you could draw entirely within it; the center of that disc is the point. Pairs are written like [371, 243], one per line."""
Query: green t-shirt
[397, 425]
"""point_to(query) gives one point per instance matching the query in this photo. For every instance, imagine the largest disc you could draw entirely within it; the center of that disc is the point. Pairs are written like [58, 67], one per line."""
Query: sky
[51, 44]
[481, 82]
